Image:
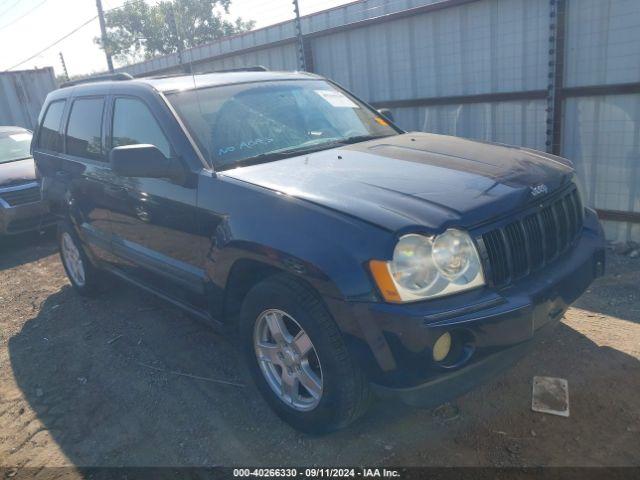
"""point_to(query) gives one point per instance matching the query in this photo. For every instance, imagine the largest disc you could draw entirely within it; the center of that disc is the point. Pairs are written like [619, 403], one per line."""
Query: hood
[17, 172]
[416, 179]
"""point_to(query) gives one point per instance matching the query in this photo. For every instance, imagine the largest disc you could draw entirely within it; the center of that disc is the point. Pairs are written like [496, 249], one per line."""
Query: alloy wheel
[288, 360]
[72, 259]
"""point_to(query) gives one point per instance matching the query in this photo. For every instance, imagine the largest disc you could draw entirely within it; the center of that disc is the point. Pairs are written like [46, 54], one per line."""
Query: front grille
[533, 241]
[31, 223]
[21, 196]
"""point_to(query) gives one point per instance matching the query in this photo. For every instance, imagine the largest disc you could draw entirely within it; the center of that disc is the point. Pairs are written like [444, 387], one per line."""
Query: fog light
[442, 347]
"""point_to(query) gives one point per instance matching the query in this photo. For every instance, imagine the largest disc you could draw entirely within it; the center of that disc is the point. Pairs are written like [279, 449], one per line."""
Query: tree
[139, 30]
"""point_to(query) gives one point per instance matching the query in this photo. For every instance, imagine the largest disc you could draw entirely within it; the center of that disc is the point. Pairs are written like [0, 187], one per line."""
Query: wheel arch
[246, 272]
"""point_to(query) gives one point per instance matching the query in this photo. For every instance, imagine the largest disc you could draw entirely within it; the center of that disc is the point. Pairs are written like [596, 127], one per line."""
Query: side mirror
[145, 161]
[385, 112]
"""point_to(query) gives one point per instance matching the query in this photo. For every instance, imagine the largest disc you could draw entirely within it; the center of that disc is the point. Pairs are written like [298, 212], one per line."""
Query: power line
[23, 15]
[61, 38]
[55, 43]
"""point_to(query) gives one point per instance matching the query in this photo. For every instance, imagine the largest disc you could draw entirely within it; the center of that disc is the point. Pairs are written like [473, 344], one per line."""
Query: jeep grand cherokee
[352, 257]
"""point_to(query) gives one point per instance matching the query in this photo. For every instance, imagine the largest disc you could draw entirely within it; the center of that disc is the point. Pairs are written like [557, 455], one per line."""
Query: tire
[86, 283]
[344, 395]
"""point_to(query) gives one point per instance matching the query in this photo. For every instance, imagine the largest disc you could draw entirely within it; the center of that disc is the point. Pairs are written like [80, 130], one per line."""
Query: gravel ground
[98, 383]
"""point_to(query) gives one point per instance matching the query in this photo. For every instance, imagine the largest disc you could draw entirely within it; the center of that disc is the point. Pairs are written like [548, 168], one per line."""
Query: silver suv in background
[21, 205]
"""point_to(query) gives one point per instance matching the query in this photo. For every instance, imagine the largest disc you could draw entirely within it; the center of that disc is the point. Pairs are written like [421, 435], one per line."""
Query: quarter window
[84, 130]
[133, 123]
[49, 137]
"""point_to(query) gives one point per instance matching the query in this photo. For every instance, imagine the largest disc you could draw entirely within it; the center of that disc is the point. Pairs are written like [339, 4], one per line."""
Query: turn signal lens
[380, 272]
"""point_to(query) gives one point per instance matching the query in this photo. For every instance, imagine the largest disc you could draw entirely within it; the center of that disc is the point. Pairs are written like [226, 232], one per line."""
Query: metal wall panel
[514, 123]
[602, 42]
[334, 17]
[22, 94]
[283, 57]
[482, 47]
[356, 12]
[474, 48]
[602, 137]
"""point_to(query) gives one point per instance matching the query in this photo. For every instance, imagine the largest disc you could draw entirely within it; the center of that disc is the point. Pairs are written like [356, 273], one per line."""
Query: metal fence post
[302, 64]
[64, 66]
[555, 84]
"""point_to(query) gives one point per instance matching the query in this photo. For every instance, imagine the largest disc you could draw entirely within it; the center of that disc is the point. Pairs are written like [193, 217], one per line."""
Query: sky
[28, 26]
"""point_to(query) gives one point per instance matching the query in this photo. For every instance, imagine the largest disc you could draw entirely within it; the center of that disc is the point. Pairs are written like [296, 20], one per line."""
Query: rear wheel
[298, 358]
[84, 277]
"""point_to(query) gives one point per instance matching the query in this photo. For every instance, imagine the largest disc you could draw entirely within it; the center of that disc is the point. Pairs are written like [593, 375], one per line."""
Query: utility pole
[302, 64]
[64, 66]
[173, 24]
[103, 30]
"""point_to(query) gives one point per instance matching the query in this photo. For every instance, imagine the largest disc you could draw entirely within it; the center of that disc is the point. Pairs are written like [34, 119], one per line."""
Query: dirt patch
[99, 382]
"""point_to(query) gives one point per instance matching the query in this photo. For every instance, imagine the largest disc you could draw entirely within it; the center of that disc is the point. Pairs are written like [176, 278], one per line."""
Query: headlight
[428, 267]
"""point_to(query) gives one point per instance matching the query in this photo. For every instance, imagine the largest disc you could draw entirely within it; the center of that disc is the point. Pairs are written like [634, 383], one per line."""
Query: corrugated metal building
[22, 94]
[556, 75]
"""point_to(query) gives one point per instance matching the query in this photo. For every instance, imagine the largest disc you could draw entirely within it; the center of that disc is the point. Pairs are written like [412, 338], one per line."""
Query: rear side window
[49, 136]
[84, 130]
[133, 123]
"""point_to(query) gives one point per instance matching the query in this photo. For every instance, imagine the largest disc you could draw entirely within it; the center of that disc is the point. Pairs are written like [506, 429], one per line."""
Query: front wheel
[298, 358]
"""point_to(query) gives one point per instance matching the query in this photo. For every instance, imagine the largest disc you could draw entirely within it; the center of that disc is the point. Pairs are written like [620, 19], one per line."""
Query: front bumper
[31, 216]
[493, 328]
[444, 387]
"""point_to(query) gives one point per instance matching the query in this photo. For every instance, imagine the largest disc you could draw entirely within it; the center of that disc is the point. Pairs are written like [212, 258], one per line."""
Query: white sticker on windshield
[336, 99]
[20, 137]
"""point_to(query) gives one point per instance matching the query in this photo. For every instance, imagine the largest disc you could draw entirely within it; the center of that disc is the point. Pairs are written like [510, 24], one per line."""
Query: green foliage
[139, 30]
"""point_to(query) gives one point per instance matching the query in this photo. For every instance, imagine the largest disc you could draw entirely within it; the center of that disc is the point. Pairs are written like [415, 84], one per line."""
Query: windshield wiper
[360, 138]
[291, 152]
[281, 154]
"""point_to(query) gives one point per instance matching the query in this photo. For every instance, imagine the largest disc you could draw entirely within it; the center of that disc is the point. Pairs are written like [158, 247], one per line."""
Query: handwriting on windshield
[246, 145]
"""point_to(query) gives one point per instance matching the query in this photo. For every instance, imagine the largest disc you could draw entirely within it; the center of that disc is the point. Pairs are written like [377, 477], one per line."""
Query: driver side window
[133, 123]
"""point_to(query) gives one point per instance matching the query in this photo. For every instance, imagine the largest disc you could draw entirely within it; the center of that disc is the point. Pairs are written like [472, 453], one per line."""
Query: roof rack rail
[98, 78]
[253, 68]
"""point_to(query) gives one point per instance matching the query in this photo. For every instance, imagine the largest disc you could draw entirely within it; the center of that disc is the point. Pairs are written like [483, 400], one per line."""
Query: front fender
[327, 249]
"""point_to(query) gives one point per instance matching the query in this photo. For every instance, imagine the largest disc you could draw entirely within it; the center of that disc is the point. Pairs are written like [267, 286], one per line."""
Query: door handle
[142, 213]
[63, 174]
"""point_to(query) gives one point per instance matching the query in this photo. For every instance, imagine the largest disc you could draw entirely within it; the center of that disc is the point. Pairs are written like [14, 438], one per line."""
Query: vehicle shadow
[27, 247]
[617, 293]
[106, 378]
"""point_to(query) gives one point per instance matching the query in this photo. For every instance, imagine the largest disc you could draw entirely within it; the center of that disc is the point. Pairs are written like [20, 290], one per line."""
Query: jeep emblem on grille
[539, 190]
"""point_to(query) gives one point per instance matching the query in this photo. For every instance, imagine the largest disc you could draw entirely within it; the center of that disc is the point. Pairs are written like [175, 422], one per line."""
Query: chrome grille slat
[21, 196]
[497, 255]
[517, 244]
[551, 232]
[534, 233]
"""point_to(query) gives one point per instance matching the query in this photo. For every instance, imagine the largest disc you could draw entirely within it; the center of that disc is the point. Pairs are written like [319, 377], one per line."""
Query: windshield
[255, 122]
[14, 146]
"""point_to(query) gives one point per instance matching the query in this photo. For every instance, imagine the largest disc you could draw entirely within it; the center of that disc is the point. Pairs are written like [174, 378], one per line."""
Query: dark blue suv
[351, 257]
